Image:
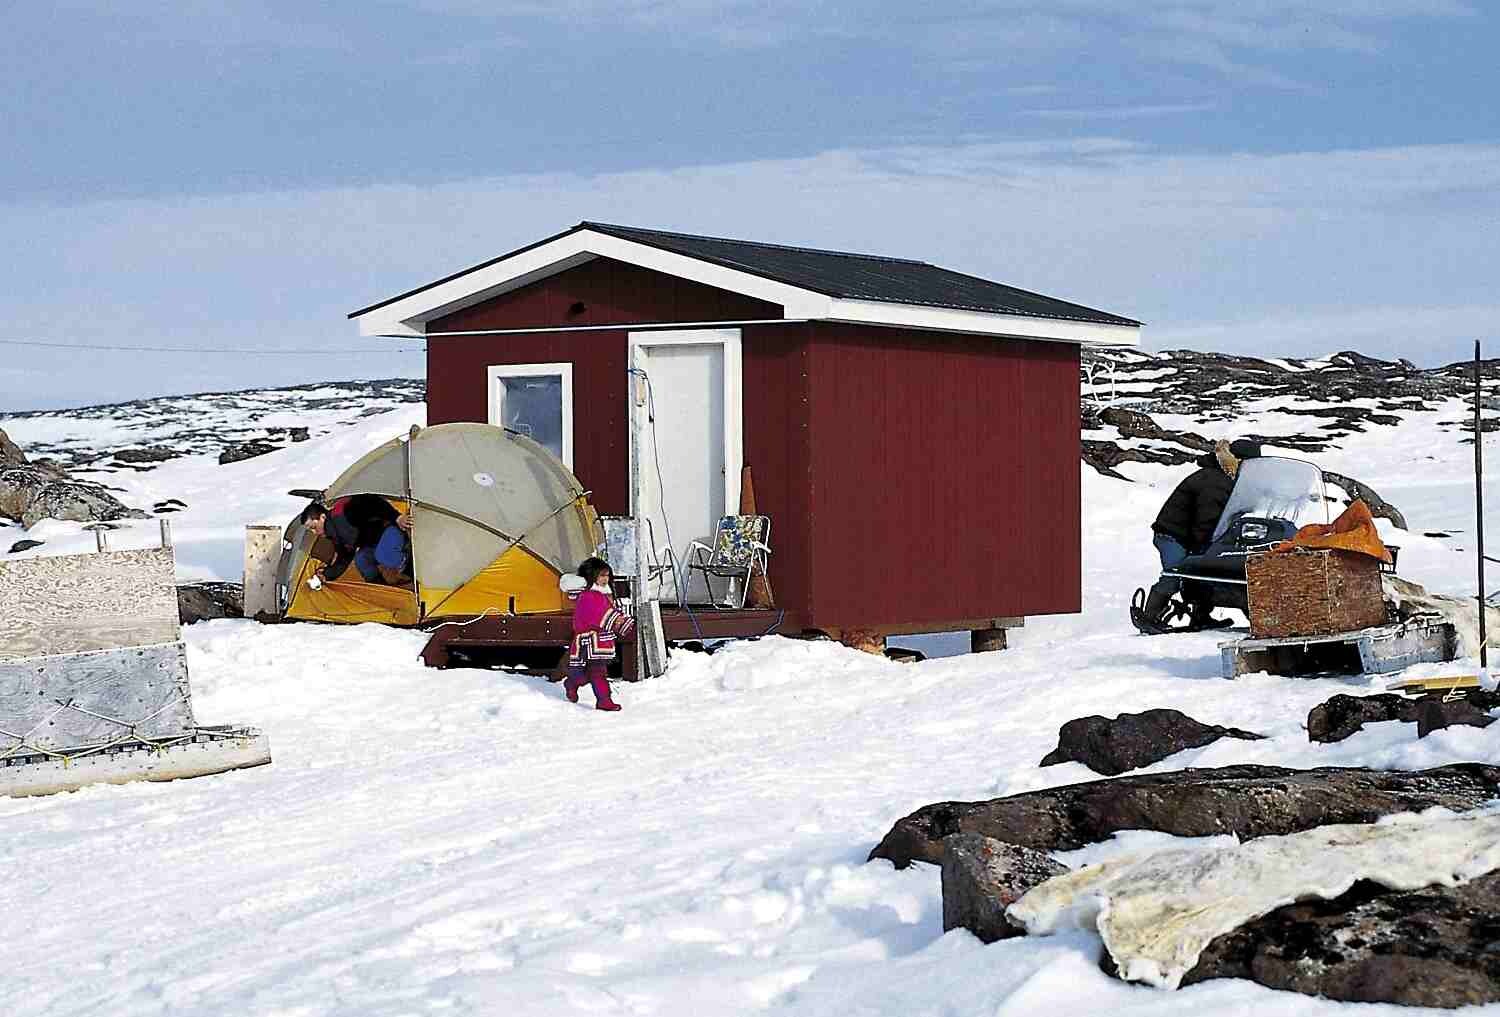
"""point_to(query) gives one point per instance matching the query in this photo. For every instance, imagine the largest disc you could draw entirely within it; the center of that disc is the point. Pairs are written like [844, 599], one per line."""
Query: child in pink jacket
[597, 623]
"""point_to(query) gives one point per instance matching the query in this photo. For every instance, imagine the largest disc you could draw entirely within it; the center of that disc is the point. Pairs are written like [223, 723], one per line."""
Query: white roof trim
[952, 319]
[409, 315]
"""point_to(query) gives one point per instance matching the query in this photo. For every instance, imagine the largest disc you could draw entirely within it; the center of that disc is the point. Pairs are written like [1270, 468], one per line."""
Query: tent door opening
[684, 402]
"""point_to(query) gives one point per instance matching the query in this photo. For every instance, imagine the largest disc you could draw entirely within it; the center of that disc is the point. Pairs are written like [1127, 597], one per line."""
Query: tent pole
[1484, 658]
[416, 587]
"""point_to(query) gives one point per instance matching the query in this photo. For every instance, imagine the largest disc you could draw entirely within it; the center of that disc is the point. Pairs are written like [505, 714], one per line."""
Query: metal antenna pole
[1484, 658]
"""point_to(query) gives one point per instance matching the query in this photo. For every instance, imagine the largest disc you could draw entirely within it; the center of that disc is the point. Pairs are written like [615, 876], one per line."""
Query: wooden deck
[540, 641]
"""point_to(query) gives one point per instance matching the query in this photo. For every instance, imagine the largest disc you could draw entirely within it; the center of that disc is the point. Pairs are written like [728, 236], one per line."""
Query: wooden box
[1312, 593]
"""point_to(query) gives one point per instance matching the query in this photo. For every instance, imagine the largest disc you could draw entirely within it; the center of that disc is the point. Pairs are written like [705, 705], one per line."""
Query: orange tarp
[1353, 531]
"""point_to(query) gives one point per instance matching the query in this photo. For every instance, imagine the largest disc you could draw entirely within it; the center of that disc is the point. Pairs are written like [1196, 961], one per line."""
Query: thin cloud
[1121, 112]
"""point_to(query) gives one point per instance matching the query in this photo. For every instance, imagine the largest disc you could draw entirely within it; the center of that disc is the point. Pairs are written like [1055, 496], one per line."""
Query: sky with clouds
[1288, 178]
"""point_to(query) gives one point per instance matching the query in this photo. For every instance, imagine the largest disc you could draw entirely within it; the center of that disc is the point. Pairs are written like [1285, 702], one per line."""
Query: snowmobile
[1273, 497]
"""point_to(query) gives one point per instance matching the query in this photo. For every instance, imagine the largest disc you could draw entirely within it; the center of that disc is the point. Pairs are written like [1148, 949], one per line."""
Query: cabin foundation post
[986, 640]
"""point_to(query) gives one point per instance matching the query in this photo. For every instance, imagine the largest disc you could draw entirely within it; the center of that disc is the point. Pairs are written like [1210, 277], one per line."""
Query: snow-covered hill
[467, 842]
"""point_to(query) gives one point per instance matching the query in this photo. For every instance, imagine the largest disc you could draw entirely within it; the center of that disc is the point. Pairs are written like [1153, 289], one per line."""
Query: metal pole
[166, 532]
[101, 542]
[1484, 655]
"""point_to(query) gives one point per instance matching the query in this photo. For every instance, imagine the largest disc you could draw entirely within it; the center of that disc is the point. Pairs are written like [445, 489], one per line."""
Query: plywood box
[1312, 593]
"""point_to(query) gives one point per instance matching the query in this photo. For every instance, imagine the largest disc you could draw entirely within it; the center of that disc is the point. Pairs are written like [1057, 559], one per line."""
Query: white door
[685, 402]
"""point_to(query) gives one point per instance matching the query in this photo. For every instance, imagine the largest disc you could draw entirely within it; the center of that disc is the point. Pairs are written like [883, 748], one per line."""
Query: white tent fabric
[475, 490]
[1156, 913]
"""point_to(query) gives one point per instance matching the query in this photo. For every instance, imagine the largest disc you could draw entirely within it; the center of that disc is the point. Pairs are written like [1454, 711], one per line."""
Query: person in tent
[597, 623]
[368, 532]
[1185, 526]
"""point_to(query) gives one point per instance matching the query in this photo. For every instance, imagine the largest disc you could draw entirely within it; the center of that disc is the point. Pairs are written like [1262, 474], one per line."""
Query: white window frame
[564, 370]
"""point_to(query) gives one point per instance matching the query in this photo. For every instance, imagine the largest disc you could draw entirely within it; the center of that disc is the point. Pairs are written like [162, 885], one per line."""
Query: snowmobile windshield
[1271, 487]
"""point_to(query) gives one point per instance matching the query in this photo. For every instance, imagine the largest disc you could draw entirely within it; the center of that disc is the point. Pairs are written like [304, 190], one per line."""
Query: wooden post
[1484, 653]
[262, 556]
[759, 595]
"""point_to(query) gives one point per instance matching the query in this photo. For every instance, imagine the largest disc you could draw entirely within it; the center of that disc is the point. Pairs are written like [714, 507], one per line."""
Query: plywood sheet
[80, 602]
[75, 700]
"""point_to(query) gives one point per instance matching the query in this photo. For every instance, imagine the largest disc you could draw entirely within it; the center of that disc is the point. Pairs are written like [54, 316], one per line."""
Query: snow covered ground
[467, 842]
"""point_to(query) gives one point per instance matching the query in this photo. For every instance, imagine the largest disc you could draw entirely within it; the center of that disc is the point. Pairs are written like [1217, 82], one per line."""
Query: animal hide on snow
[1156, 913]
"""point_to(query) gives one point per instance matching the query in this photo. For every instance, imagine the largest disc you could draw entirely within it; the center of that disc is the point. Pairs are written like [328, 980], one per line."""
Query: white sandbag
[1156, 913]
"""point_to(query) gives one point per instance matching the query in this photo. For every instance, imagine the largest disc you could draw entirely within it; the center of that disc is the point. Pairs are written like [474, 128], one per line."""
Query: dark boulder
[204, 601]
[1436, 713]
[1134, 740]
[147, 454]
[1247, 801]
[1428, 947]
[25, 545]
[246, 450]
[982, 877]
[1343, 715]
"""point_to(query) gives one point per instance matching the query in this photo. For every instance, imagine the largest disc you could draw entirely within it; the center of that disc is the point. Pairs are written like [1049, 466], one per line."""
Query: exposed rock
[25, 545]
[1436, 713]
[982, 877]
[10, 452]
[1428, 947]
[299, 434]
[1343, 715]
[1214, 387]
[1134, 740]
[148, 454]
[246, 450]
[1356, 490]
[203, 601]
[1247, 801]
[30, 495]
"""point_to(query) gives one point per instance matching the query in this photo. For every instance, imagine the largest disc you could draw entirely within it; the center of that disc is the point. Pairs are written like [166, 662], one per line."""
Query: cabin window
[537, 401]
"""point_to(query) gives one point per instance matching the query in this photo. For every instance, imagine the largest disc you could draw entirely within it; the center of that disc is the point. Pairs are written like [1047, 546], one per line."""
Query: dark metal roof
[835, 274]
[863, 276]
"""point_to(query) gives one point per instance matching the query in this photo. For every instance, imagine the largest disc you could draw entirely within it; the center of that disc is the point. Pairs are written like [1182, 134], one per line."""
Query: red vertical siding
[778, 452]
[611, 292]
[945, 479]
[912, 478]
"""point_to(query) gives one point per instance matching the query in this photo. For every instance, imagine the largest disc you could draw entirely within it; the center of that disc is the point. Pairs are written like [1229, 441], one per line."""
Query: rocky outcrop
[1343, 715]
[1428, 947]
[29, 494]
[205, 601]
[982, 877]
[25, 545]
[246, 450]
[10, 452]
[1247, 801]
[1134, 740]
[1355, 490]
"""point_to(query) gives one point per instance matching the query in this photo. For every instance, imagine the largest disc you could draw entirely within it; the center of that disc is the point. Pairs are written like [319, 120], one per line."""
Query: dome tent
[496, 521]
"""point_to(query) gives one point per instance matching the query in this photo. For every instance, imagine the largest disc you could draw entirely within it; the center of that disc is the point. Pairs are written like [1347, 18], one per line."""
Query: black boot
[1202, 617]
[1149, 612]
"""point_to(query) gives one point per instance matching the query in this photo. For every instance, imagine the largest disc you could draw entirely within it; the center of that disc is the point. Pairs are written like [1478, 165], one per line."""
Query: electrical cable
[661, 487]
[201, 349]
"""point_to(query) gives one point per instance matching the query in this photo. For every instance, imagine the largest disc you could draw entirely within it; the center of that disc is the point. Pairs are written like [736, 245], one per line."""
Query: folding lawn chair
[741, 548]
[620, 536]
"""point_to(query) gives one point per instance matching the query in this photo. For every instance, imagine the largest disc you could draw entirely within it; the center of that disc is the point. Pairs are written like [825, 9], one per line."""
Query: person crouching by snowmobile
[597, 623]
[1185, 526]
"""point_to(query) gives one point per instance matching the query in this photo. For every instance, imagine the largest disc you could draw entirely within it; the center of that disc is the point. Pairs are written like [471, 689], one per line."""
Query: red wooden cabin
[912, 431]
